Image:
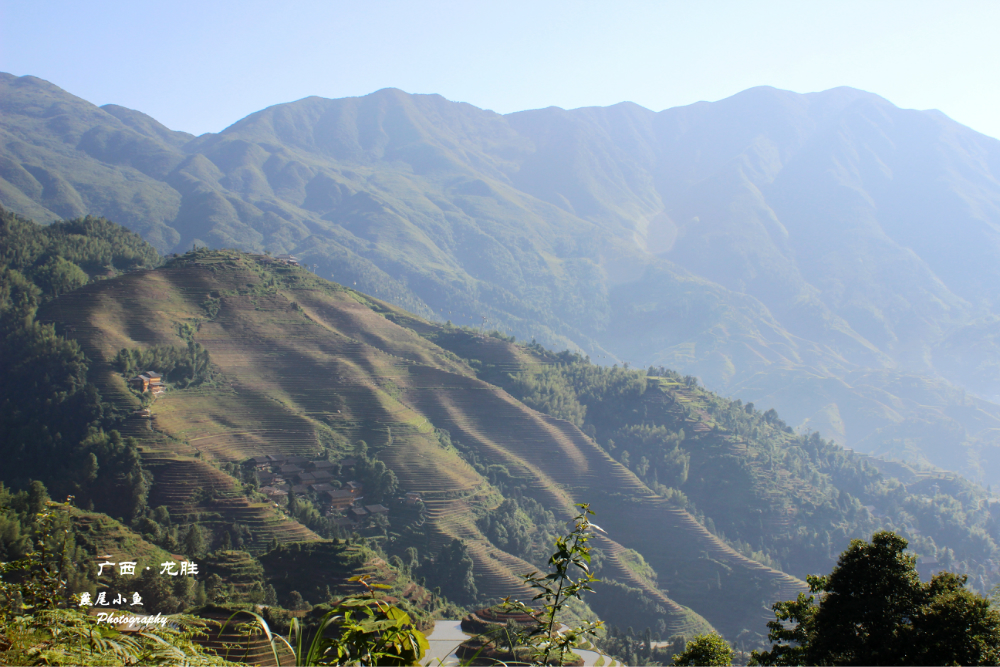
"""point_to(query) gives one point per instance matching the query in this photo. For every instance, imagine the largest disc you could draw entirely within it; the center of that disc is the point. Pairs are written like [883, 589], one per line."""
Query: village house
[285, 258]
[289, 470]
[355, 487]
[320, 466]
[412, 498]
[336, 499]
[149, 381]
[260, 463]
[376, 509]
[322, 476]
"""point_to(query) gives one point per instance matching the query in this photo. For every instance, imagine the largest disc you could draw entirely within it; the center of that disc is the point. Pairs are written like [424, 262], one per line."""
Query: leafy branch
[556, 589]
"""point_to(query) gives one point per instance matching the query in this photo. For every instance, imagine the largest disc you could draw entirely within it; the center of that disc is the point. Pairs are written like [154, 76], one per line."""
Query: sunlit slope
[143, 309]
[303, 362]
[563, 465]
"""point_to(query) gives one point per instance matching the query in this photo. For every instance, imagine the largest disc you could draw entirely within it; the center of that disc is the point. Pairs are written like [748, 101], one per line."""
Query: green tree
[453, 566]
[875, 611]
[706, 649]
[194, 541]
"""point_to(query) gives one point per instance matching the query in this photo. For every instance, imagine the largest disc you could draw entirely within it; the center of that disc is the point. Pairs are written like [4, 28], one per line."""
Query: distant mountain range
[827, 254]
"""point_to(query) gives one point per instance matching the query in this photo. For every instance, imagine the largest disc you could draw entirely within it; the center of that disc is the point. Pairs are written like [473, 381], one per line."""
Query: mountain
[827, 254]
[712, 509]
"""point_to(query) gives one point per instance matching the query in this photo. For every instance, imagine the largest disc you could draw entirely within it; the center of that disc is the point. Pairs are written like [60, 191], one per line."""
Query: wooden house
[259, 463]
[149, 381]
[355, 487]
[376, 509]
[412, 498]
[337, 499]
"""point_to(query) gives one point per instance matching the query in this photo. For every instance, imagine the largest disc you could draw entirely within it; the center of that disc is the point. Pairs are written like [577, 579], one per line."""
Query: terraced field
[302, 364]
[100, 536]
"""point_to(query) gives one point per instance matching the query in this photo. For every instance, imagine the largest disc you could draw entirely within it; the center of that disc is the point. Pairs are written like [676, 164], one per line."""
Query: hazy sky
[200, 66]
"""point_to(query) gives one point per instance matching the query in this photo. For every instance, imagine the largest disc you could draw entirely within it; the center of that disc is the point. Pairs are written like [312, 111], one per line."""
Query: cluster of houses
[149, 381]
[280, 475]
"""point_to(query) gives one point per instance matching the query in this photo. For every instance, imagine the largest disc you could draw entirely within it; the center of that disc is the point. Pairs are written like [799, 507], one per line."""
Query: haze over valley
[828, 255]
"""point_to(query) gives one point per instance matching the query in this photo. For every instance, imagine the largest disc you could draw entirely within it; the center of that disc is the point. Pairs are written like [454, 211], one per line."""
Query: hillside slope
[305, 366]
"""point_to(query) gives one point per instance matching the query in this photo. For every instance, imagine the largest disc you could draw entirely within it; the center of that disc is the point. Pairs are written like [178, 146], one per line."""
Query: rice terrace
[419, 334]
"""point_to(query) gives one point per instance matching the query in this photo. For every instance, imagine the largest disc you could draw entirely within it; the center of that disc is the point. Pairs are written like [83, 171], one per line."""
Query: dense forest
[789, 500]
[54, 426]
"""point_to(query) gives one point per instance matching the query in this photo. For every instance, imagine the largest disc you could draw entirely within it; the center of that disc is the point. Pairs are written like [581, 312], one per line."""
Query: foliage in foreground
[549, 642]
[706, 649]
[361, 630]
[368, 631]
[69, 637]
[875, 611]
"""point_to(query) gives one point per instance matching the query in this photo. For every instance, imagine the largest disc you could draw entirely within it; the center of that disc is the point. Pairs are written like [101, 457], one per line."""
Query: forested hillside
[54, 425]
[713, 509]
[828, 255]
[791, 501]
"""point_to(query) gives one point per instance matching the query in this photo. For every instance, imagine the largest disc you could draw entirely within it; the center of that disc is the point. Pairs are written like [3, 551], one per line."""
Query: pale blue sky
[200, 66]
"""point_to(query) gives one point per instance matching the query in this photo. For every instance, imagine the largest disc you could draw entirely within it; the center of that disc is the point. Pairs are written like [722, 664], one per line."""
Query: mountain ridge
[739, 240]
